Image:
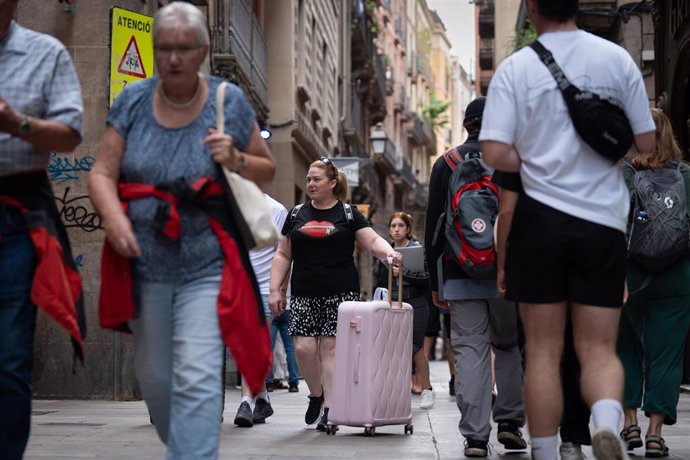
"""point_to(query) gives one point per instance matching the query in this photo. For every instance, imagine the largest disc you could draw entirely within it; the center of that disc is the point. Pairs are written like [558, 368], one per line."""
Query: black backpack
[471, 211]
[659, 227]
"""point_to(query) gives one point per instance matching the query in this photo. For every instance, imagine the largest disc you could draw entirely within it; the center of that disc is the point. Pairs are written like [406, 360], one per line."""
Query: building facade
[462, 93]
[325, 77]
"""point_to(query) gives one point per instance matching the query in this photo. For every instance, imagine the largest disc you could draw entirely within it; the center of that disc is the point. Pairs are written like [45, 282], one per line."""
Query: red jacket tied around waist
[240, 310]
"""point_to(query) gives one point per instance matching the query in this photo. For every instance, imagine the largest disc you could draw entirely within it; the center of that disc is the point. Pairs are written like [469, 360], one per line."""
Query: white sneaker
[606, 445]
[428, 398]
[571, 451]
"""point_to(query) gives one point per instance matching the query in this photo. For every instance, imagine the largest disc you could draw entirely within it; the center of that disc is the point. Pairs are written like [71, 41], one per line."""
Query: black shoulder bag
[599, 122]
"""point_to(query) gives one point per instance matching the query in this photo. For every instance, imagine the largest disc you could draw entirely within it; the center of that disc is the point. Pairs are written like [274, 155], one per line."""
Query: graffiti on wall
[75, 212]
[79, 261]
[65, 169]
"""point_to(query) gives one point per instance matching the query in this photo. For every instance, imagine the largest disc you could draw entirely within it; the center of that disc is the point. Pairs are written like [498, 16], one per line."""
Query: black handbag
[599, 122]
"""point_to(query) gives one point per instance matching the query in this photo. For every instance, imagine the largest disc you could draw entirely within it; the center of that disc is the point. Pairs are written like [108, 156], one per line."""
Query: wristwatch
[24, 126]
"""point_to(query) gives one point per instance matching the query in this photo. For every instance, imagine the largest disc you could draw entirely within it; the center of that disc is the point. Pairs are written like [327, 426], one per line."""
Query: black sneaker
[293, 388]
[476, 448]
[323, 423]
[451, 386]
[269, 386]
[510, 436]
[244, 416]
[262, 410]
[314, 409]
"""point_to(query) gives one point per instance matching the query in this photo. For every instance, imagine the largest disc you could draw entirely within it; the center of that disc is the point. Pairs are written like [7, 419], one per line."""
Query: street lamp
[378, 140]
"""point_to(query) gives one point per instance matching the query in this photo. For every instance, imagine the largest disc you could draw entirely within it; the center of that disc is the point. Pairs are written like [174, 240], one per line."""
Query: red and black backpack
[471, 212]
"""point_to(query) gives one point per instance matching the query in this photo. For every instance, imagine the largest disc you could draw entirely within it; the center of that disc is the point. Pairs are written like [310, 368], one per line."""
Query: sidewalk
[121, 430]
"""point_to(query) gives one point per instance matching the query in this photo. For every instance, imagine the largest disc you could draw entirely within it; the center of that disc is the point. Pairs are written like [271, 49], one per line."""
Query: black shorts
[433, 324]
[419, 323]
[552, 256]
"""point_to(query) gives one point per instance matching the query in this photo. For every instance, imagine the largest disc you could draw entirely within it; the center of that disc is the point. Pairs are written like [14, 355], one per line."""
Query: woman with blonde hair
[320, 243]
[656, 317]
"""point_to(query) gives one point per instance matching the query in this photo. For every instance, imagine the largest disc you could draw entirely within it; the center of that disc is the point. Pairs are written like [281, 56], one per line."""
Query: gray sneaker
[606, 445]
[571, 451]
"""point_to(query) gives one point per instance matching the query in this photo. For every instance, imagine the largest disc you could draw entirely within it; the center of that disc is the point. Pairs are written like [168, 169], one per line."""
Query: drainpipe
[345, 61]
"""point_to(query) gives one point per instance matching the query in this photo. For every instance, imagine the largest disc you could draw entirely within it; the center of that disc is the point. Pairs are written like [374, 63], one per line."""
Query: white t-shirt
[525, 109]
[261, 259]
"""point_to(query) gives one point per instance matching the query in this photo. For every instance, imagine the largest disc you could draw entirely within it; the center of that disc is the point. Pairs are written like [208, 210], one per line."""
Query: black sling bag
[599, 122]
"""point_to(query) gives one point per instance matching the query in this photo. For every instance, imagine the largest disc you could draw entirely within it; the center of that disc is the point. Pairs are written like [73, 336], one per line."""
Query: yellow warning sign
[131, 49]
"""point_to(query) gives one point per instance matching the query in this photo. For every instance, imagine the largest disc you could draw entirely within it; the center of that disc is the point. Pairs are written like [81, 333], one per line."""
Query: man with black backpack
[461, 211]
[566, 248]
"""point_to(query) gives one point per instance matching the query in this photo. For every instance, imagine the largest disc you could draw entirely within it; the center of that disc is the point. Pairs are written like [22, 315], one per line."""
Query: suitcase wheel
[369, 431]
[331, 429]
[409, 429]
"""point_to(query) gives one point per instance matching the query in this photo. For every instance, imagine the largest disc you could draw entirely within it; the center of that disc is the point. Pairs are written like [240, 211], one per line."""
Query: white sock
[247, 399]
[263, 395]
[606, 413]
[544, 447]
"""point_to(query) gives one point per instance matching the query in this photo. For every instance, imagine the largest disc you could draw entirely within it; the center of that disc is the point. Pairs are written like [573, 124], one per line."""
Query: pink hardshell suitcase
[373, 365]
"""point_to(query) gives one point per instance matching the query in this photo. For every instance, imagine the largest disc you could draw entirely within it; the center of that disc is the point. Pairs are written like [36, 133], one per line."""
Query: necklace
[182, 105]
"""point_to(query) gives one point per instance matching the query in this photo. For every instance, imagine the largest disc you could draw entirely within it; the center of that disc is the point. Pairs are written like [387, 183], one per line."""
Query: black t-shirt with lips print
[323, 244]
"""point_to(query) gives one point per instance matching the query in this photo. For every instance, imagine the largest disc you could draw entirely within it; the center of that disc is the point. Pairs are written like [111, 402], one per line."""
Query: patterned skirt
[317, 316]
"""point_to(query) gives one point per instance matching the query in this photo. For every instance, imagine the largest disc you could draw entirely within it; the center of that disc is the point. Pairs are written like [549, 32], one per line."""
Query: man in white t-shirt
[261, 263]
[566, 250]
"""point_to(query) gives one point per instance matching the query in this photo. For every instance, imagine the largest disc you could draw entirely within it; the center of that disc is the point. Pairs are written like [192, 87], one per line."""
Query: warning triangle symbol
[131, 63]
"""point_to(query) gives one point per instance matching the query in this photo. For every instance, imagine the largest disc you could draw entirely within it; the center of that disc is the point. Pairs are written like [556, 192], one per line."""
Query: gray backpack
[471, 211]
[659, 222]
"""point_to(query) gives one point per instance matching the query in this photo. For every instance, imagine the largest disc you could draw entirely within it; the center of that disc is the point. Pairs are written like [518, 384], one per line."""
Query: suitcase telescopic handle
[400, 285]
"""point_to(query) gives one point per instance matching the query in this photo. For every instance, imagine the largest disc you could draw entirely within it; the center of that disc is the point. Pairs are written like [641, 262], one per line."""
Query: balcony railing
[259, 74]
[486, 53]
[401, 35]
[412, 65]
[487, 6]
[429, 136]
[377, 103]
[354, 133]
[400, 103]
[487, 20]
[425, 68]
[380, 70]
[415, 130]
[421, 194]
[484, 79]
[405, 173]
[240, 47]
[362, 38]
[390, 81]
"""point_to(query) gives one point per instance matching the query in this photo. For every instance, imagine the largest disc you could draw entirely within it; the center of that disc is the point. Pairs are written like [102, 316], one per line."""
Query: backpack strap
[349, 215]
[293, 214]
[295, 211]
[452, 158]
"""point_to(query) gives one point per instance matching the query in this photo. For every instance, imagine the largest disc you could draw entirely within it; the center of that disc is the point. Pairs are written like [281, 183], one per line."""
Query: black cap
[474, 109]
